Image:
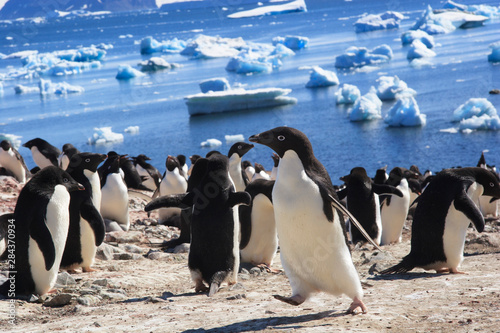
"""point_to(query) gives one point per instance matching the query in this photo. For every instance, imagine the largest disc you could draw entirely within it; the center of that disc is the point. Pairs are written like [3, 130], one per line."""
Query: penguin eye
[492, 185]
[65, 180]
[87, 160]
[239, 147]
[281, 137]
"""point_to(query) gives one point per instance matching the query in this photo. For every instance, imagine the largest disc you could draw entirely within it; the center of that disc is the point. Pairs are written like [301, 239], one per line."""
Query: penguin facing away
[307, 223]
[259, 237]
[42, 220]
[260, 172]
[114, 195]
[443, 213]
[214, 252]
[13, 162]
[236, 172]
[68, 150]
[44, 154]
[86, 226]
[363, 202]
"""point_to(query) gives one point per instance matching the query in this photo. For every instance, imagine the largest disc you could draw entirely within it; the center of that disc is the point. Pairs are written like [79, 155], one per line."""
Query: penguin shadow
[405, 276]
[277, 323]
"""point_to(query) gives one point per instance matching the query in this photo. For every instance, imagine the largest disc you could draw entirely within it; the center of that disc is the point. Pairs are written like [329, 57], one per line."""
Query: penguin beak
[254, 138]
[80, 187]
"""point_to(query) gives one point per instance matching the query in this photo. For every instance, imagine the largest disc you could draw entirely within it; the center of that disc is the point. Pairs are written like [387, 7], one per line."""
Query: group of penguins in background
[232, 212]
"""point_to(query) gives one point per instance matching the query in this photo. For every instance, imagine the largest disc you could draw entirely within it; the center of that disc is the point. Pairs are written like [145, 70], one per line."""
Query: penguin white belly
[10, 162]
[57, 220]
[250, 171]
[95, 183]
[263, 242]
[394, 215]
[314, 253]
[114, 203]
[172, 183]
[149, 181]
[87, 241]
[487, 207]
[233, 277]
[235, 173]
[39, 159]
[63, 161]
[261, 175]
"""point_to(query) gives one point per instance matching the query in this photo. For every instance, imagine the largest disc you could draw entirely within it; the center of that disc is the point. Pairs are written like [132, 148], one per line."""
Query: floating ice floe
[207, 47]
[61, 88]
[290, 7]
[258, 58]
[292, 42]
[126, 72]
[321, 77]
[154, 64]
[132, 130]
[368, 107]
[215, 84]
[211, 143]
[20, 89]
[234, 138]
[485, 10]
[347, 94]
[21, 54]
[237, 99]
[390, 87]
[149, 45]
[409, 36]
[419, 50]
[484, 122]
[104, 135]
[446, 21]
[371, 22]
[361, 56]
[494, 56]
[474, 107]
[405, 113]
[84, 54]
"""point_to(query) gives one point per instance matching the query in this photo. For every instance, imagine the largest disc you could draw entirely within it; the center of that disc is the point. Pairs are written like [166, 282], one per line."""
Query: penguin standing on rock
[313, 242]
[13, 162]
[443, 214]
[41, 219]
[44, 154]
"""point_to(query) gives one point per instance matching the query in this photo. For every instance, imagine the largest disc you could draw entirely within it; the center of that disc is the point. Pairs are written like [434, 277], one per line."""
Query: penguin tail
[404, 266]
[217, 280]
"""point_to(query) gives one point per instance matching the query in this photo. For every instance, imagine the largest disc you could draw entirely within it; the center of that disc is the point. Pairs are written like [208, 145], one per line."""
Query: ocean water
[156, 103]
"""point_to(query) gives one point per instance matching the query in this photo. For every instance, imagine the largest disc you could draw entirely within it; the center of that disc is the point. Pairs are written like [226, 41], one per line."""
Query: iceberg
[485, 10]
[494, 56]
[409, 36]
[446, 21]
[154, 64]
[20, 89]
[347, 94]
[258, 58]
[474, 107]
[132, 130]
[84, 54]
[126, 72]
[405, 113]
[419, 50]
[149, 45]
[211, 143]
[390, 87]
[368, 107]
[292, 42]
[291, 7]
[321, 77]
[207, 47]
[483, 122]
[215, 84]
[104, 135]
[61, 88]
[371, 22]
[234, 138]
[361, 56]
[237, 99]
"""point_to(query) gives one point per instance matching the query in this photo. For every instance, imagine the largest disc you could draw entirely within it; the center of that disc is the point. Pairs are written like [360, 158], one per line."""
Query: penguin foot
[268, 268]
[294, 300]
[357, 303]
[88, 269]
[200, 287]
[456, 271]
[72, 271]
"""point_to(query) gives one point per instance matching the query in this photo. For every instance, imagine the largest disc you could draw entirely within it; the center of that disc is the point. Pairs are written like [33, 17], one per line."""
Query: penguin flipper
[183, 200]
[386, 189]
[95, 220]
[43, 238]
[342, 193]
[465, 204]
[245, 225]
[336, 204]
[239, 198]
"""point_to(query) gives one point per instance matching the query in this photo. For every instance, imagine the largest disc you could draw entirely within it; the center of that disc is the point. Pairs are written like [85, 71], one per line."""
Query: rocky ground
[139, 288]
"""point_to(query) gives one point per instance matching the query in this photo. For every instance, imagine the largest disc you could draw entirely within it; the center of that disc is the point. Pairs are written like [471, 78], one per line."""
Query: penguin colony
[233, 211]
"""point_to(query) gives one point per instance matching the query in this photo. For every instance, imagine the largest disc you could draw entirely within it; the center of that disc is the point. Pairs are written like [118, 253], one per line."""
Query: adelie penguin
[86, 226]
[214, 252]
[41, 219]
[363, 202]
[443, 214]
[68, 150]
[309, 223]
[173, 182]
[13, 162]
[149, 173]
[236, 172]
[44, 154]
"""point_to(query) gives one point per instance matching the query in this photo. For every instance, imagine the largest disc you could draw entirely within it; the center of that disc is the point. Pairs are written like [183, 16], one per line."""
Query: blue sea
[156, 104]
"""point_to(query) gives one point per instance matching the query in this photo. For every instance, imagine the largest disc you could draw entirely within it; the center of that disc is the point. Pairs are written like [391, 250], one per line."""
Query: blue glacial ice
[126, 72]
[215, 84]
[258, 58]
[104, 135]
[371, 22]
[149, 45]
[21, 89]
[61, 88]
[292, 42]
[347, 94]
[405, 112]
[419, 50]
[484, 122]
[409, 36]
[321, 77]
[447, 21]
[485, 10]
[368, 107]
[474, 107]
[390, 87]
[494, 56]
[154, 64]
[361, 56]
[290, 7]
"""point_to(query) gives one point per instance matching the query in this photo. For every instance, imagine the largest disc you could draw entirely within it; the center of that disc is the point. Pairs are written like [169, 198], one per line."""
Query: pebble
[126, 237]
[182, 248]
[132, 248]
[101, 282]
[106, 251]
[127, 256]
[237, 296]
[64, 279]
[59, 300]
[113, 296]
[88, 300]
